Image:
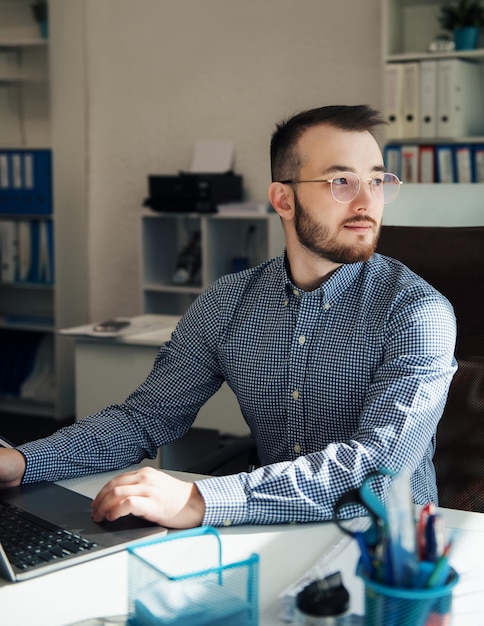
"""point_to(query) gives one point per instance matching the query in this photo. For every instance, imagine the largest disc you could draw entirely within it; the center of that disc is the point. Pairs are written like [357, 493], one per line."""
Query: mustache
[360, 218]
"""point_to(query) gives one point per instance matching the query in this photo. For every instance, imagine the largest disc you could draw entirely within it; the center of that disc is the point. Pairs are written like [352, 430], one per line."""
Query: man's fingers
[153, 495]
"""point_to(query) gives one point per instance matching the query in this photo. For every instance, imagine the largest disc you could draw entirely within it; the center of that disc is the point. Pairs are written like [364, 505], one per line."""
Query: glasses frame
[360, 180]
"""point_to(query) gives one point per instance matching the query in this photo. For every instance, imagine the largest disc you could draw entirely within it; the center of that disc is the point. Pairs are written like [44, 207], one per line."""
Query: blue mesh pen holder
[396, 606]
[180, 580]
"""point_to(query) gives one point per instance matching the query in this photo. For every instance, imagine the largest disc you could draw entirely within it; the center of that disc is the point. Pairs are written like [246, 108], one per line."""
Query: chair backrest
[459, 456]
[452, 260]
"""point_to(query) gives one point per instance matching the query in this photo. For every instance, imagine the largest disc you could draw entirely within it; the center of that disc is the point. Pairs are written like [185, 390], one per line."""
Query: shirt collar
[332, 287]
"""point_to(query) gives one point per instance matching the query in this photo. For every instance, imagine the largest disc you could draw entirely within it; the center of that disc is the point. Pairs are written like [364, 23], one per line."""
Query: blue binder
[26, 182]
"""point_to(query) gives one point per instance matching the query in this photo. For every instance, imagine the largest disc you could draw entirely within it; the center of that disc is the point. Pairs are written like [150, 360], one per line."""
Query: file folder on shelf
[411, 100]
[478, 163]
[427, 164]
[27, 251]
[459, 98]
[392, 155]
[8, 251]
[393, 99]
[428, 98]
[445, 164]
[463, 164]
[410, 164]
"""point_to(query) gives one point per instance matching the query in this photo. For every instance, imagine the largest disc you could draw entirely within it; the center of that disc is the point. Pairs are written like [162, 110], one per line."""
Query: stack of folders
[434, 98]
[435, 101]
[27, 251]
[438, 163]
[26, 242]
[26, 182]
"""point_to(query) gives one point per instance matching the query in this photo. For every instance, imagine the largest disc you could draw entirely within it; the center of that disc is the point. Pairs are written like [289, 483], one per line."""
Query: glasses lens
[391, 187]
[345, 186]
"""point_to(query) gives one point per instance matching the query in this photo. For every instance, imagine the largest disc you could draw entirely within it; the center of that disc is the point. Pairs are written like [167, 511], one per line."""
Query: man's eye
[377, 181]
[341, 180]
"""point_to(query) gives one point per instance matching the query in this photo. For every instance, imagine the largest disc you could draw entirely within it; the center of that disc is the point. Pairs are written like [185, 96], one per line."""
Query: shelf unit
[34, 84]
[223, 240]
[408, 27]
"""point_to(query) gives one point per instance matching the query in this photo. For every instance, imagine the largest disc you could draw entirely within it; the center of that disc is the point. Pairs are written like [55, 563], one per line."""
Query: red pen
[426, 511]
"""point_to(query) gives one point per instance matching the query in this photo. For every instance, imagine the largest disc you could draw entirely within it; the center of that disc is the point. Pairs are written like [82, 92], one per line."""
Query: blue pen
[434, 537]
[366, 558]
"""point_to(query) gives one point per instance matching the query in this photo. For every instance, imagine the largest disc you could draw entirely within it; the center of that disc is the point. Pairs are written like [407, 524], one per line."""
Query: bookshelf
[224, 241]
[35, 91]
[433, 101]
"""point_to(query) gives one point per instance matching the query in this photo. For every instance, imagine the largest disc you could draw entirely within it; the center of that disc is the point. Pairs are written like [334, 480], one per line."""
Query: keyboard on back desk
[29, 541]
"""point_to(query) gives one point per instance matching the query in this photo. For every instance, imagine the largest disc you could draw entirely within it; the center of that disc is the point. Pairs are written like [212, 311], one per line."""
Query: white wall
[163, 73]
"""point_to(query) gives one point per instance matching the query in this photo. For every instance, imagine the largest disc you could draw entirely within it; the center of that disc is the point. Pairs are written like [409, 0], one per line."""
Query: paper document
[139, 325]
[212, 157]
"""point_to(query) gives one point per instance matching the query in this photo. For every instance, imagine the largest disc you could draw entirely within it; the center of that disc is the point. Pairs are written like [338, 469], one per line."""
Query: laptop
[66, 527]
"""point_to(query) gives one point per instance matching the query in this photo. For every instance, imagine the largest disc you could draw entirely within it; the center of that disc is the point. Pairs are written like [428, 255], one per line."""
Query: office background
[152, 77]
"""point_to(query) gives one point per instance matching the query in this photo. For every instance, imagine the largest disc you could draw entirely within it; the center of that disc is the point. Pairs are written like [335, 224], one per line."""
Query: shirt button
[297, 448]
[295, 394]
[285, 303]
[296, 292]
[302, 340]
[326, 306]
[227, 522]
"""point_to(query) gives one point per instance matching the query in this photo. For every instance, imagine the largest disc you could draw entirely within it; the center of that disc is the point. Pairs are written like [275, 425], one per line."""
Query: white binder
[463, 164]
[445, 160]
[393, 100]
[411, 100]
[428, 98]
[459, 87]
[478, 163]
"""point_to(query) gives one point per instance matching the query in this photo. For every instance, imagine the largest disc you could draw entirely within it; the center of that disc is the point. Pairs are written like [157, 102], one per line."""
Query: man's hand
[152, 495]
[12, 467]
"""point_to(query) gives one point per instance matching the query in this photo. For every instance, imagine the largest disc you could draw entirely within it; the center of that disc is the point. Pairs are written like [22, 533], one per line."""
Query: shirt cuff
[225, 500]
[39, 464]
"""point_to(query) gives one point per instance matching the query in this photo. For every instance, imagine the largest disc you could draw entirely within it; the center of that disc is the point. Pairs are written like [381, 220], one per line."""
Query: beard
[317, 238]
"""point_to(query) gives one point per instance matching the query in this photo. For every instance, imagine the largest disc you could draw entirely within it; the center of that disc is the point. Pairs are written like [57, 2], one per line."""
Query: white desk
[109, 368]
[99, 588]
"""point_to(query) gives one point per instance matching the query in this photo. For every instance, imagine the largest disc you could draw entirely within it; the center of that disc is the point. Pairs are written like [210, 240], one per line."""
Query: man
[341, 359]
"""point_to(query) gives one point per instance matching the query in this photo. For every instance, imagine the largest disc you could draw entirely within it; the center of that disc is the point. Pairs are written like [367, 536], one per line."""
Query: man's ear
[282, 199]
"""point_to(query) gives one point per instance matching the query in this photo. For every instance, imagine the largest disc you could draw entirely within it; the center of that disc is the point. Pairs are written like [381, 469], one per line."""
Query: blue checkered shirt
[333, 384]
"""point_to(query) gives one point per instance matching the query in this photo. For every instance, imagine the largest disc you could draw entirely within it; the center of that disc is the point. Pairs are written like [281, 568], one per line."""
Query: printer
[193, 193]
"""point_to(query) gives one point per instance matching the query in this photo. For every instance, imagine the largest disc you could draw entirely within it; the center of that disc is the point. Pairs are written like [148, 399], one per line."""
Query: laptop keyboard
[29, 541]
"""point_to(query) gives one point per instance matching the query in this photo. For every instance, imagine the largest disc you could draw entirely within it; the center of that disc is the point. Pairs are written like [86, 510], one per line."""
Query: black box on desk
[198, 193]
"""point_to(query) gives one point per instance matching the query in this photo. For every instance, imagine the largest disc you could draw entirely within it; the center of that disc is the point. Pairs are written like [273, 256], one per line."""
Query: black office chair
[459, 456]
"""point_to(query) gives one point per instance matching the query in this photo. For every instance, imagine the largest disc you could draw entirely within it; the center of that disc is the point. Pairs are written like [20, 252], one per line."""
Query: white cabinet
[33, 306]
[226, 241]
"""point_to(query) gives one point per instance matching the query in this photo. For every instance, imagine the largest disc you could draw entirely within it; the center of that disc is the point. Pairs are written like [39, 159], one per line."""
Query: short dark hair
[285, 160]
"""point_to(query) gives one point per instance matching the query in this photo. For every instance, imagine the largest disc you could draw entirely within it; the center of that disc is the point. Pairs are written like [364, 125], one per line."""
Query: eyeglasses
[346, 186]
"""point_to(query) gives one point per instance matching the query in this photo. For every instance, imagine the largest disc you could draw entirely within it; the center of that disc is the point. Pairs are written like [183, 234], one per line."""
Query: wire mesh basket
[428, 606]
[180, 580]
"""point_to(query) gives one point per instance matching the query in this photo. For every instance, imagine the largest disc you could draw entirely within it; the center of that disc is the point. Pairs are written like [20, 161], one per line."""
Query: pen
[434, 537]
[442, 569]
[428, 509]
[365, 554]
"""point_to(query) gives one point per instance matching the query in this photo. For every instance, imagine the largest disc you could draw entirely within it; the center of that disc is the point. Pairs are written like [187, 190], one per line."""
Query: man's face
[341, 233]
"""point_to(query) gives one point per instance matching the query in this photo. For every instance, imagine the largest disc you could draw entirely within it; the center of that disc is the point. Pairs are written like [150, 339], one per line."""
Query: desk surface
[99, 587]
